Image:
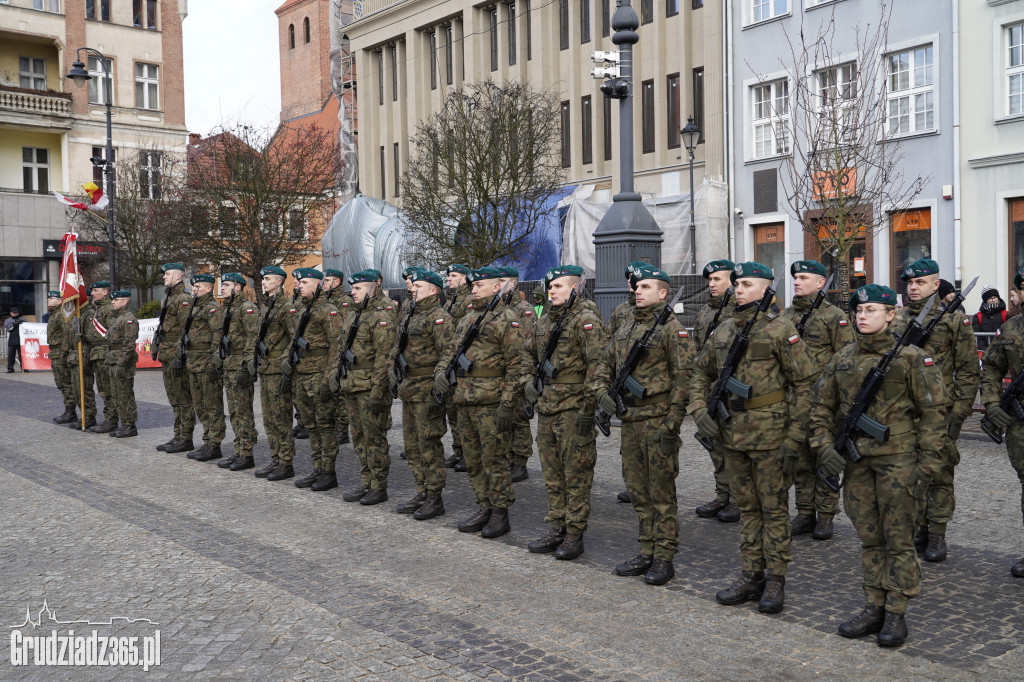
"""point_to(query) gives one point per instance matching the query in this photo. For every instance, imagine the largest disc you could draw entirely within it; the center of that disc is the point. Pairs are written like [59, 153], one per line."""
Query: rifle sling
[760, 401]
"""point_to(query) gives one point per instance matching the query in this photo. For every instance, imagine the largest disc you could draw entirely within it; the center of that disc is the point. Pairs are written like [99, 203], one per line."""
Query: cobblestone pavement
[248, 579]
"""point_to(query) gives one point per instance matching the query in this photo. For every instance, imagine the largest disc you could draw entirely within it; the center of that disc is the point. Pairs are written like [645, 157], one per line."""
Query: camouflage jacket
[954, 349]
[339, 298]
[575, 358]
[664, 368]
[459, 302]
[57, 333]
[276, 339]
[122, 337]
[321, 334]
[828, 329]
[97, 341]
[706, 317]
[244, 324]
[494, 377]
[204, 334]
[776, 362]
[906, 402]
[622, 314]
[1004, 354]
[431, 330]
[385, 303]
[177, 302]
[524, 312]
[74, 333]
[374, 338]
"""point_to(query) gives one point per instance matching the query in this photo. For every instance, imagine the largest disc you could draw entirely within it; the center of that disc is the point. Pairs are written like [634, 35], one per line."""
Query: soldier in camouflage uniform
[566, 439]
[763, 438]
[717, 310]
[650, 427]
[204, 383]
[176, 305]
[57, 339]
[241, 316]
[954, 348]
[826, 331]
[95, 336]
[85, 375]
[122, 338]
[275, 399]
[430, 331]
[1006, 354]
[521, 442]
[365, 389]
[342, 300]
[879, 489]
[487, 396]
[459, 302]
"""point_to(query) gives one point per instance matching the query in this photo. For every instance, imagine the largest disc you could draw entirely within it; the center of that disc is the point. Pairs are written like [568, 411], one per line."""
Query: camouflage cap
[362, 276]
[101, 284]
[421, 275]
[273, 270]
[1018, 279]
[481, 274]
[53, 293]
[811, 266]
[751, 269]
[718, 266]
[236, 277]
[121, 293]
[209, 279]
[457, 267]
[872, 293]
[563, 271]
[172, 266]
[331, 272]
[650, 272]
[303, 273]
[920, 268]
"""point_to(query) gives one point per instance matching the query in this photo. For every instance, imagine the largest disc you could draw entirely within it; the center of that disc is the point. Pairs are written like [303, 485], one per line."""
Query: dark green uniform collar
[916, 307]
[879, 343]
[648, 313]
[803, 302]
[718, 301]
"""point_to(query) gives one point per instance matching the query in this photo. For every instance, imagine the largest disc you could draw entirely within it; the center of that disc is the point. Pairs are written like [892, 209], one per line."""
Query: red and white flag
[99, 327]
[96, 196]
[72, 286]
[68, 202]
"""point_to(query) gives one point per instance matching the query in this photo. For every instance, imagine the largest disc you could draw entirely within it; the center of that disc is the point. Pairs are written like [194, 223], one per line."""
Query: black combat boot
[920, 538]
[894, 630]
[802, 524]
[69, 416]
[307, 481]
[125, 431]
[748, 587]
[823, 529]
[403, 455]
[198, 452]
[77, 424]
[660, 573]
[548, 542]
[475, 523]
[868, 622]
[571, 547]
[281, 472]
[774, 596]
[227, 462]
[356, 494]
[243, 463]
[300, 432]
[729, 514]
[638, 565]
[936, 549]
[343, 438]
[212, 453]
[624, 497]
[325, 481]
[374, 497]
[264, 471]
[182, 446]
[105, 427]
[412, 505]
[498, 525]
[709, 510]
[434, 506]
[1017, 570]
[519, 473]
[452, 461]
[461, 466]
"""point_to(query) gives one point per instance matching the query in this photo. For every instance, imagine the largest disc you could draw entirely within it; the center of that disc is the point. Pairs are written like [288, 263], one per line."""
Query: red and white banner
[35, 350]
[72, 285]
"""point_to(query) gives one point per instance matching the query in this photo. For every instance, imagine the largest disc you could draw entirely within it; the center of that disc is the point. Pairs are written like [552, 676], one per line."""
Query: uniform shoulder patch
[128, 321]
[928, 362]
[967, 322]
[439, 321]
[683, 334]
[213, 310]
[383, 323]
[527, 312]
[587, 327]
[334, 312]
[185, 303]
[843, 323]
[249, 310]
[515, 324]
[292, 310]
[793, 339]
[344, 304]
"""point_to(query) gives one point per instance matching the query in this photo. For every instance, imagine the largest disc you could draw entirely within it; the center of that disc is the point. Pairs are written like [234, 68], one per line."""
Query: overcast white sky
[232, 71]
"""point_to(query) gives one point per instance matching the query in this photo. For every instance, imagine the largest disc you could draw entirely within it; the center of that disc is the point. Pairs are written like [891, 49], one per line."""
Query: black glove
[503, 418]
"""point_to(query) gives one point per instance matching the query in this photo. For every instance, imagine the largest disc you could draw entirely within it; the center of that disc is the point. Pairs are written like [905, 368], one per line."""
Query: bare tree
[480, 174]
[842, 172]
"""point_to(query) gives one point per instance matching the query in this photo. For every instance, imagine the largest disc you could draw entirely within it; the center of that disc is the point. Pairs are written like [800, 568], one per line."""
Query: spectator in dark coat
[946, 293]
[12, 324]
[990, 316]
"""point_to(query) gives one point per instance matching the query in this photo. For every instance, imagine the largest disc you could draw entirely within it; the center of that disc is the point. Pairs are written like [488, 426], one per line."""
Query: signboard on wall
[53, 249]
[35, 349]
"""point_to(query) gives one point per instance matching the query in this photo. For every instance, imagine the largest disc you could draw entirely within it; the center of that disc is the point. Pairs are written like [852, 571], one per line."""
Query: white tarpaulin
[365, 233]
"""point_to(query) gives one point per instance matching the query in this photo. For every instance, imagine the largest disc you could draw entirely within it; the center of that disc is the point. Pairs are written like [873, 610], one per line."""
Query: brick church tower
[304, 38]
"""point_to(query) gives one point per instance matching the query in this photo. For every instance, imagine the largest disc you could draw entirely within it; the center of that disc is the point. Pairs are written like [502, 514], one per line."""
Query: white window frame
[149, 83]
[836, 86]
[766, 10]
[768, 126]
[36, 167]
[1013, 101]
[97, 87]
[32, 75]
[912, 99]
[41, 5]
[150, 174]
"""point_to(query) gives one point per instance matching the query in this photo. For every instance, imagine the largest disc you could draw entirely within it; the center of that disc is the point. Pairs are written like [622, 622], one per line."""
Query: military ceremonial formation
[870, 409]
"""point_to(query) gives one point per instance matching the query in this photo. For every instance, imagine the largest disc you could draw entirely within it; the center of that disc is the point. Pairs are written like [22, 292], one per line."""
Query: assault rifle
[926, 332]
[727, 383]
[158, 335]
[857, 423]
[802, 324]
[261, 344]
[299, 344]
[185, 341]
[1010, 402]
[455, 297]
[401, 365]
[545, 370]
[459, 359]
[346, 358]
[624, 381]
[718, 314]
[224, 347]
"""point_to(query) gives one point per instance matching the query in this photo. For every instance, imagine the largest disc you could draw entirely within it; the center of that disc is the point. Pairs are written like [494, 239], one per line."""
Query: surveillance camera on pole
[615, 87]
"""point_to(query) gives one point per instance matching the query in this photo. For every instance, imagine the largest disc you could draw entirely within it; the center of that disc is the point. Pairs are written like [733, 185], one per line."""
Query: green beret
[457, 267]
[484, 273]
[920, 268]
[421, 275]
[202, 278]
[811, 266]
[273, 270]
[303, 273]
[635, 265]
[172, 266]
[362, 276]
[1018, 279]
[102, 284]
[376, 273]
[121, 293]
[717, 266]
[751, 269]
[872, 293]
[650, 272]
[563, 271]
[509, 271]
[409, 270]
[331, 272]
[236, 277]
[52, 294]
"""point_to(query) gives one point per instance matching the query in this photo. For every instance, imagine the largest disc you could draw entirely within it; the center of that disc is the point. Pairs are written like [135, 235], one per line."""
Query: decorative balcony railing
[45, 102]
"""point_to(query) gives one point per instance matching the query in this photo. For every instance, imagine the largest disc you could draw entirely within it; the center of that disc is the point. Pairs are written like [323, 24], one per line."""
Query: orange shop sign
[826, 184]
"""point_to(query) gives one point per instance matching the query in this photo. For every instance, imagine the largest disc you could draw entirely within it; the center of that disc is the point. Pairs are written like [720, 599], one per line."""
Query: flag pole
[81, 370]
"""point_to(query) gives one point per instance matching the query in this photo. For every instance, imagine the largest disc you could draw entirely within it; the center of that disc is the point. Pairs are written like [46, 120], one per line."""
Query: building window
[587, 129]
[383, 175]
[147, 91]
[394, 73]
[671, 8]
[566, 136]
[512, 35]
[911, 91]
[54, 5]
[606, 17]
[296, 225]
[291, 36]
[697, 4]
[647, 115]
[144, 13]
[1015, 71]
[762, 10]
[227, 219]
[607, 124]
[584, 21]
[493, 19]
[529, 30]
[672, 101]
[99, 177]
[98, 82]
[911, 240]
[433, 60]
[771, 119]
[380, 77]
[834, 89]
[449, 58]
[103, 6]
[1016, 212]
[398, 178]
[698, 101]
[35, 168]
[149, 174]
[32, 73]
[563, 24]
[646, 11]
[305, 30]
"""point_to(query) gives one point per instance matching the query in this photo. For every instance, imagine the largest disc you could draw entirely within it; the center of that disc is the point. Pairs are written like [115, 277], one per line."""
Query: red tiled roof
[286, 5]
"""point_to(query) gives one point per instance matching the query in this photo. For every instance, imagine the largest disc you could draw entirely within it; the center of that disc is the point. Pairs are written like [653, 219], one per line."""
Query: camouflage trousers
[89, 410]
[721, 477]
[650, 478]
[762, 494]
[341, 411]
[1015, 450]
[937, 509]
[877, 500]
[62, 379]
[812, 495]
[319, 418]
[180, 398]
[521, 442]
[243, 421]
[567, 462]
[369, 438]
[452, 415]
[102, 373]
[122, 391]
[277, 418]
[207, 390]
[422, 428]
[487, 456]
